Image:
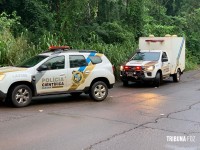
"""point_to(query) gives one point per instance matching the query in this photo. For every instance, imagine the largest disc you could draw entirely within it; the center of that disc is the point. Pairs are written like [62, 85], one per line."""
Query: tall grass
[191, 61]
[12, 49]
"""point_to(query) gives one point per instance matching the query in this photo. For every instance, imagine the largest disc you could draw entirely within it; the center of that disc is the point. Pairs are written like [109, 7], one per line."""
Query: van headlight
[150, 68]
[2, 76]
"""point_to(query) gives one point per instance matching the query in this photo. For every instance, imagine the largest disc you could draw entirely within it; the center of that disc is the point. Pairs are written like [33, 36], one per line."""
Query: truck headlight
[150, 68]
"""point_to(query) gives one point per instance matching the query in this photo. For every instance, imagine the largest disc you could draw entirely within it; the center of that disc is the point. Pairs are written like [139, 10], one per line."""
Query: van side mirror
[164, 59]
[42, 68]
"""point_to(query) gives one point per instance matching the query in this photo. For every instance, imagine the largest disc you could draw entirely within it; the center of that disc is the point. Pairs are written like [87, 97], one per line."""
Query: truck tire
[98, 91]
[157, 79]
[125, 83]
[21, 95]
[177, 76]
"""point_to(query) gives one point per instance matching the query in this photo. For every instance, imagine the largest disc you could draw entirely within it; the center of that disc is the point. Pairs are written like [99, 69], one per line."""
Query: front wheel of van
[21, 95]
[177, 76]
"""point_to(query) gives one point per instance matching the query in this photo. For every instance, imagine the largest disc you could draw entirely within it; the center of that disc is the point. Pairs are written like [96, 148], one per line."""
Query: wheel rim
[100, 91]
[22, 96]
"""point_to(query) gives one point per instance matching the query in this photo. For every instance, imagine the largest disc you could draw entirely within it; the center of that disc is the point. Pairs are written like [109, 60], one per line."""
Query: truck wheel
[21, 95]
[177, 76]
[98, 91]
[157, 79]
[125, 83]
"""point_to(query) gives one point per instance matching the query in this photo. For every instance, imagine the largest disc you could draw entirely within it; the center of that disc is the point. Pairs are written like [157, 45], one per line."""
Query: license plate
[130, 74]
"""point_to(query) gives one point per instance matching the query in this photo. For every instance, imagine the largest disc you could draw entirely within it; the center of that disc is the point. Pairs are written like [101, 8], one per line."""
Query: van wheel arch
[103, 79]
[30, 85]
[8, 101]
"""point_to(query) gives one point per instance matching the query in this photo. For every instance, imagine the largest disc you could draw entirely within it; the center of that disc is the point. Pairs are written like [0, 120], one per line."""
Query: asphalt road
[131, 118]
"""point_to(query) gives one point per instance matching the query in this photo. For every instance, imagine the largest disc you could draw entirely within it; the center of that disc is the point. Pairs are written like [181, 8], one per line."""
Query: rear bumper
[2, 96]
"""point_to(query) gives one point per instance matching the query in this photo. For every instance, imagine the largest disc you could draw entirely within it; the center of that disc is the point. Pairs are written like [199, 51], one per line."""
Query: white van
[57, 71]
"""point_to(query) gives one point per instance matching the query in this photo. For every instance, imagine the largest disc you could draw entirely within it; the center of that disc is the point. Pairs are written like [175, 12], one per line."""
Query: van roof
[58, 51]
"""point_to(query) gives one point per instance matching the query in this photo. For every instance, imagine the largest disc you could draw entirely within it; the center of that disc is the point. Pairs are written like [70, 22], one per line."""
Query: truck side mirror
[42, 68]
[164, 59]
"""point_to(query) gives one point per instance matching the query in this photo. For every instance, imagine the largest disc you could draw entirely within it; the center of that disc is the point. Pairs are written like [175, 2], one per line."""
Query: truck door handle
[62, 74]
[87, 72]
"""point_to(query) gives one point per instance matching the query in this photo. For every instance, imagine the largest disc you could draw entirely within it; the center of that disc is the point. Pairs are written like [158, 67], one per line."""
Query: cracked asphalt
[137, 117]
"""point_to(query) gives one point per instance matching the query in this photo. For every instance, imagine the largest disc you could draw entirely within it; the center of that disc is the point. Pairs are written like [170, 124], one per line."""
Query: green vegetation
[28, 27]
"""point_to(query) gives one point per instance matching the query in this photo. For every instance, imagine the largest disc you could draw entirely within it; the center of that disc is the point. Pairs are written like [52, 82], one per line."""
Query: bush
[191, 61]
[11, 48]
[114, 33]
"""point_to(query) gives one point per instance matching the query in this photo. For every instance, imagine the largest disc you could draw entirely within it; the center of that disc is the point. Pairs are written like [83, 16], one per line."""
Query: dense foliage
[113, 27]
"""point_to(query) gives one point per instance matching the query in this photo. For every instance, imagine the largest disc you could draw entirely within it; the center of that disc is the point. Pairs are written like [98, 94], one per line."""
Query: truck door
[165, 64]
[51, 76]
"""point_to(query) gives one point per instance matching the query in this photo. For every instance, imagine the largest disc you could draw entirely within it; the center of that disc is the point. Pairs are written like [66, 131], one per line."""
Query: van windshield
[32, 61]
[146, 56]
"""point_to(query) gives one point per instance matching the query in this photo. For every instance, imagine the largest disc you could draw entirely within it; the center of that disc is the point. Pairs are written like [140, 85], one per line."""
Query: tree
[135, 16]
[35, 15]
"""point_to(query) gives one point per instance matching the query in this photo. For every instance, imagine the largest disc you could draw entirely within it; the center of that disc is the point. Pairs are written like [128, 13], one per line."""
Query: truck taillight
[138, 68]
[126, 68]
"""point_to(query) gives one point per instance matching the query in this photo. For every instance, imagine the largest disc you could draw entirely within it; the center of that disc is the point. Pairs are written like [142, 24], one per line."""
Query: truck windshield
[146, 56]
[32, 61]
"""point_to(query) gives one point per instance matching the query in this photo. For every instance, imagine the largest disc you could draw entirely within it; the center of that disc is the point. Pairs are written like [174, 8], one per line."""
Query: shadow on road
[66, 98]
[145, 85]
[54, 99]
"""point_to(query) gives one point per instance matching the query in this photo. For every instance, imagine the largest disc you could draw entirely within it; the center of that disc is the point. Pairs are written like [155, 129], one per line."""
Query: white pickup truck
[158, 58]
